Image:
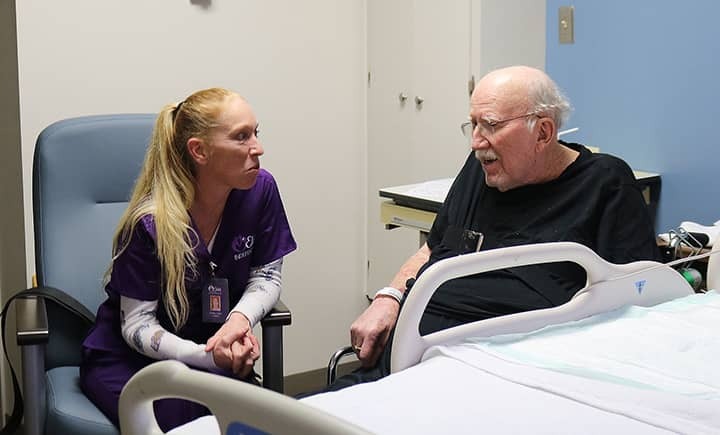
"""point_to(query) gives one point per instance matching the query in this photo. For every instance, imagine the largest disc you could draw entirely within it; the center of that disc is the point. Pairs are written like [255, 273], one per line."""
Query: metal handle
[419, 101]
[402, 97]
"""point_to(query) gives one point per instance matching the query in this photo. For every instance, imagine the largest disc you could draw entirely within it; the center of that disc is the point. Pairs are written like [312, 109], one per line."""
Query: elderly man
[521, 185]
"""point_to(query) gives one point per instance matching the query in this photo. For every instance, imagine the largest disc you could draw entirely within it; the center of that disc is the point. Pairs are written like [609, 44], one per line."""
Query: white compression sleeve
[142, 332]
[261, 292]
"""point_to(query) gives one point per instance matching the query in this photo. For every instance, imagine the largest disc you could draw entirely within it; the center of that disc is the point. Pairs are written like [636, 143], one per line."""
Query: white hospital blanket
[635, 370]
[658, 365]
[445, 396]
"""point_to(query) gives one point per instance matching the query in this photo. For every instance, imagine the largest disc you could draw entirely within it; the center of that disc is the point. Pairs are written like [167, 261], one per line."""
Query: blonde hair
[165, 189]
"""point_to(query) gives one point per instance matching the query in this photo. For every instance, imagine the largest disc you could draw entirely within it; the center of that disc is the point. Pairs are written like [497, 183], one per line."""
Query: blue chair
[84, 171]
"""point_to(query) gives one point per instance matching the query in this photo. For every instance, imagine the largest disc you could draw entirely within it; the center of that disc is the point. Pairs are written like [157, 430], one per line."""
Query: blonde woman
[197, 255]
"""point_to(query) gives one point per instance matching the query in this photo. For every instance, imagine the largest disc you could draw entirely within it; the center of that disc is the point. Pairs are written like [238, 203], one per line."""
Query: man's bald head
[526, 87]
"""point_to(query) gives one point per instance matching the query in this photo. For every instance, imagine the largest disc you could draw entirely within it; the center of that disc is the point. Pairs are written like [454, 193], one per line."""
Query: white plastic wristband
[390, 291]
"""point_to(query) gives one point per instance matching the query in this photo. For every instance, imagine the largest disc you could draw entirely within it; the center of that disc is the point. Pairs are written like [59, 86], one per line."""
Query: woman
[197, 255]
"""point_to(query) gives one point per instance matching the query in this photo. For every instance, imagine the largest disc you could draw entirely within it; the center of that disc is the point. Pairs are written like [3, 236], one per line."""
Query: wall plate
[566, 25]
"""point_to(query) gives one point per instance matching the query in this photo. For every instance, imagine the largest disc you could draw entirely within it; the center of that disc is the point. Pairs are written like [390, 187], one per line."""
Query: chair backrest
[84, 171]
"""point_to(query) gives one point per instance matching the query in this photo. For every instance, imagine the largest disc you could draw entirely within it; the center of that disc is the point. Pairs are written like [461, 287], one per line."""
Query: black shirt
[596, 201]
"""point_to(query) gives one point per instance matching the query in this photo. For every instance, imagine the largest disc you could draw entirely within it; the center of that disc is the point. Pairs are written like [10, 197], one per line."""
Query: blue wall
[644, 78]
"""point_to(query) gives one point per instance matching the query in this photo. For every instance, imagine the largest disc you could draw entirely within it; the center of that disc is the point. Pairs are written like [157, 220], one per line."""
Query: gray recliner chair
[84, 171]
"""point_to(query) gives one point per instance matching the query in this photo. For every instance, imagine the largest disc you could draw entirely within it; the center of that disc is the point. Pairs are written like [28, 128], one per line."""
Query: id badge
[216, 300]
[471, 241]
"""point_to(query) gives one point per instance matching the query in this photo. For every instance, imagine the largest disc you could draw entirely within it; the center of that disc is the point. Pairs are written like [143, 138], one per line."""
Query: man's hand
[369, 333]
[233, 345]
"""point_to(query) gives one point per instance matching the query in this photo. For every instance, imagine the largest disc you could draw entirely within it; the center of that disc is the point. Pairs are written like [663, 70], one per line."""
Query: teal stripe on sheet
[672, 347]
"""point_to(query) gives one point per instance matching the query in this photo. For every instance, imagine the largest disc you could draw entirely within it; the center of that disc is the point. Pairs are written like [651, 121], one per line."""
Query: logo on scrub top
[242, 246]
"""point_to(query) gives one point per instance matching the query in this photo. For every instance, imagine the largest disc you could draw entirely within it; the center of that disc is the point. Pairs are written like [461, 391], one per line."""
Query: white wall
[301, 64]
[507, 32]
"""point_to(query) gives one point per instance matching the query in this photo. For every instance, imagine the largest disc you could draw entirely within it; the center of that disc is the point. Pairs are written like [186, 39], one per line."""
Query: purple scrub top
[254, 231]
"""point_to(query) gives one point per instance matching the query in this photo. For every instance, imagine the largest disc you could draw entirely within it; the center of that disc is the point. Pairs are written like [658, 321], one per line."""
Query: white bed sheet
[444, 395]
[635, 370]
[656, 364]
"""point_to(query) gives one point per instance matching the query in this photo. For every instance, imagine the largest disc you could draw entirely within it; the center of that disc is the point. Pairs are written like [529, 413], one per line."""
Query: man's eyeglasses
[488, 127]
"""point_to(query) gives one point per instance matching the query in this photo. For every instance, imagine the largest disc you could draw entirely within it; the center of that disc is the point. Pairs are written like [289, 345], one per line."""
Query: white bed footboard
[231, 401]
[609, 286]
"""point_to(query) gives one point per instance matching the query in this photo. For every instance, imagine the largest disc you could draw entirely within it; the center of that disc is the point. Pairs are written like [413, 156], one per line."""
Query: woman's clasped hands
[234, 347]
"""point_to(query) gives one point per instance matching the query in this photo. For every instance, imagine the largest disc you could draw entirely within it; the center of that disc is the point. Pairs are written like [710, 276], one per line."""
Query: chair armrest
[31, 321]
[335, 360]
[272, 353]
[32, 336]
[279, 316]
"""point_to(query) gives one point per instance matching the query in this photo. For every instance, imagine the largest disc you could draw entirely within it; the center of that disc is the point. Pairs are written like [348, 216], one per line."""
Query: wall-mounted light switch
[566, 25]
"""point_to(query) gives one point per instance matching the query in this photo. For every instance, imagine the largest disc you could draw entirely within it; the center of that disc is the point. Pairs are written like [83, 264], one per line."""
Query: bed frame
[609, 286]
[230, 400]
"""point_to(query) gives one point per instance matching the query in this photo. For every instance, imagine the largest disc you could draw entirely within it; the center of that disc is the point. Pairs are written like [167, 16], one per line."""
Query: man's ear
[198, 150]
[547, 132]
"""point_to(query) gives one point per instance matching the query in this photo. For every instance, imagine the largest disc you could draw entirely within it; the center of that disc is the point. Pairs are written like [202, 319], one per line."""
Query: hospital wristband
[390, 291]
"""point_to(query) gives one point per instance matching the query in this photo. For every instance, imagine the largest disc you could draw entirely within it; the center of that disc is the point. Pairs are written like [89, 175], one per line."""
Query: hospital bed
[634, 351]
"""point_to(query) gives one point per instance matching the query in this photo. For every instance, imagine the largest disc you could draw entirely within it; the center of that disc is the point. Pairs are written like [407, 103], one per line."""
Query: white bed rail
[713, 268]
[609, 286]
[231, 401]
